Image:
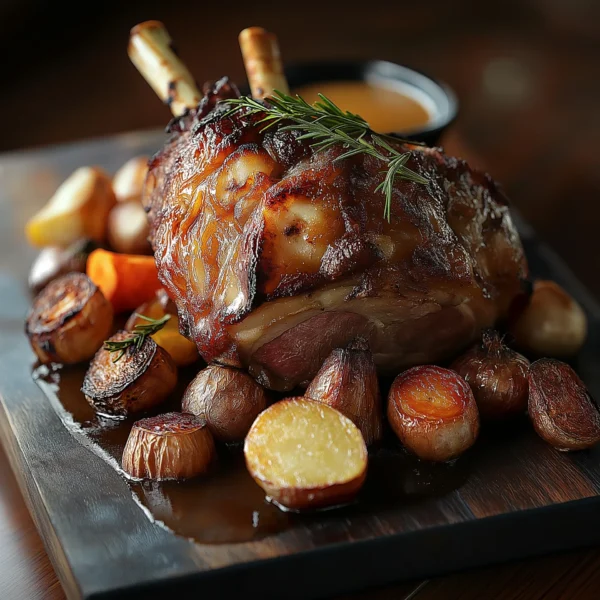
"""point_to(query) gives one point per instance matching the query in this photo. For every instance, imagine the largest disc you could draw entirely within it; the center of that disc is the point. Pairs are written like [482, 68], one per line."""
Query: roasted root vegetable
[168, 446]
[128, 228]
[228, 399]
[53, 261]
[127, 280]
[182, 351]
[128, 181]
[78, 209]
[69, 320]
[433, 412]
[497, 376]
[305, 454]
[561, 409]
[348, 382]
[139, 379]
[552, 324]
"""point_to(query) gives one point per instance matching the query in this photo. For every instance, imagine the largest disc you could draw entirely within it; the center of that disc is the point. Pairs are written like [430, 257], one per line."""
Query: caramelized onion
[305, 454]
[141, 378]
[227, 398]
[348, 382]
[497, 375]
[168, 446]
[69, 320]
[433, 412]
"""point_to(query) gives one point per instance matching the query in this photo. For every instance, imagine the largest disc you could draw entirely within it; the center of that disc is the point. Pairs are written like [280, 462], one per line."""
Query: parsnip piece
[262, 59]
[69, 320]
[128, 228]
[433, 412]
[228, 399]
[168, 446]
[141, 379]
[78, 209]
[348, 382]
[151, 51]
[305, 454]
[128, 182]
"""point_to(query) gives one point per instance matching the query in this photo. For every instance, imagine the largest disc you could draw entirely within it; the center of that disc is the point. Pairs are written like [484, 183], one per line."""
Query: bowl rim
[440, 93]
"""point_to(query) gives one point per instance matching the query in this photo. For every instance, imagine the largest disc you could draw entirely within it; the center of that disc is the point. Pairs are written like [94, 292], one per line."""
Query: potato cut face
[303, 444]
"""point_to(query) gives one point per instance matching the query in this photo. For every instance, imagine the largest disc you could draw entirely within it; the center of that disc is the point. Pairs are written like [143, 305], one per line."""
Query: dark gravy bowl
[437, 97]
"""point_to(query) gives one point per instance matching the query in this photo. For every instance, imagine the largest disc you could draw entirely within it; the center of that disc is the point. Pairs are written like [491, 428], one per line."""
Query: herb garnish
[326, 125]
[137, 337]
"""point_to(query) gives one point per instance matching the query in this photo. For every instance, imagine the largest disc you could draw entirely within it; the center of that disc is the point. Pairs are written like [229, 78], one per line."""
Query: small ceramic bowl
[437, 97]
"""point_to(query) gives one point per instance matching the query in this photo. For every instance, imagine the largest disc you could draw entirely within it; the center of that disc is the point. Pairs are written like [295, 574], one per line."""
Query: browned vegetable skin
[128, 182]
[128, 228]
[561, 409]
[305, 454]
[348, 382]
[229, 400]
[433, 412]
[497, 376]
[552, 324]
[142, 378]
[69, 320]
[168, 446]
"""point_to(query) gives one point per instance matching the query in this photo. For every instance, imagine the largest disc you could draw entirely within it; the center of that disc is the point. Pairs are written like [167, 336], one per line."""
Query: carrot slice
[126, 280]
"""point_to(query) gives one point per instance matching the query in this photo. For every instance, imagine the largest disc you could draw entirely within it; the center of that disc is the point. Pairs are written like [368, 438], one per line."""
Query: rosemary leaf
[135, 340]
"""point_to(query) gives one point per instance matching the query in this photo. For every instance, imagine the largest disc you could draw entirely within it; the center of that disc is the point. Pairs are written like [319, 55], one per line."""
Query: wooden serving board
[512, 496]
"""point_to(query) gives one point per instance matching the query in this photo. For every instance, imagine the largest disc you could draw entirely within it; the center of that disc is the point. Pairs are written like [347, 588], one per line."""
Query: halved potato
[78, 209]
[69, 320]
[128, 228]
[433, 412]
[168, 446]
[305, 454]
[128, 181]
[140, 379]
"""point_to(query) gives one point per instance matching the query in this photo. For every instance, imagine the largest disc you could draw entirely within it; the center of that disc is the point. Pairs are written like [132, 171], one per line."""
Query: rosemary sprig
[325, 125]
[136, 338]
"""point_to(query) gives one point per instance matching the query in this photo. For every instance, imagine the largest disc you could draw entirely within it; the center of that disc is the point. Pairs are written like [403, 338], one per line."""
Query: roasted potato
[168, 446]
[552, 324]
[228, 399]
[128, 228]
[561, 409]
[348, 382]
[305, 454]
[433, 412]
[69, 320]
[78, 209]
[141, 378]
[128, 181]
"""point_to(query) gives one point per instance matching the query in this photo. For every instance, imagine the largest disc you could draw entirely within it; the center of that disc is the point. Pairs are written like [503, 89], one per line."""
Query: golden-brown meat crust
[275, 254]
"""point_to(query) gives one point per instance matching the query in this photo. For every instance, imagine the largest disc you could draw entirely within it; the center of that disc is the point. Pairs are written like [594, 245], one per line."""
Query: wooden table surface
[527, 76]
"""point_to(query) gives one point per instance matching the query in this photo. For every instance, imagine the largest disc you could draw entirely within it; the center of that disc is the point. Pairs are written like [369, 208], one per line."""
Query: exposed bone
[262, 60]
[151, 52]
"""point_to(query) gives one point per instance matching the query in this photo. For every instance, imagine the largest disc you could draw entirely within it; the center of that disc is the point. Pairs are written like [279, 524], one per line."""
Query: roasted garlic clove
[552, 324]
[433, 412]
[168, 446]
[348, 382]
[305, 454]
[128, 182]
[183, 351]
[78, 209]
[69, 320]
[561, 409]
[142, 377]
[228, 399]
[128, 228]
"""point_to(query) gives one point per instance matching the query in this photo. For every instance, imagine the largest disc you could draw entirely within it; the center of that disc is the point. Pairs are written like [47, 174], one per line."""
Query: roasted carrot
[127, 280]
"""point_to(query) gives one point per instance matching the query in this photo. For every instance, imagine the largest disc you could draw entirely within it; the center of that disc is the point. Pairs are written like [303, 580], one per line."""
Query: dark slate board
[520, 498]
